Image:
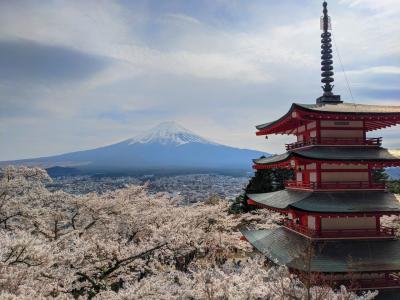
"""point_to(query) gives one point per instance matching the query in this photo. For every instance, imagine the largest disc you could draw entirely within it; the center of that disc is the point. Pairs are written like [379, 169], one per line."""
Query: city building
[333, 207]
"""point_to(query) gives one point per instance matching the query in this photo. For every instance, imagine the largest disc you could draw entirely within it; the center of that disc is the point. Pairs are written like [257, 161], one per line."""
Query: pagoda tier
[332, 215]
[325, 117]
[375, 156]
[288, 248]
[329, 203]
[372, 264]
[332, 168]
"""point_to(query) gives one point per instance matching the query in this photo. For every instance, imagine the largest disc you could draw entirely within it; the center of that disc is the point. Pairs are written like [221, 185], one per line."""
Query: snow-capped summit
[168, 133]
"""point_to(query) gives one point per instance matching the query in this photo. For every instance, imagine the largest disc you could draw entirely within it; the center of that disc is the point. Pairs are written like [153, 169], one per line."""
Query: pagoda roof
[376, 116]
[330, 202]
[273, 159]
[351, 108]
[331, 153]
[333, 256]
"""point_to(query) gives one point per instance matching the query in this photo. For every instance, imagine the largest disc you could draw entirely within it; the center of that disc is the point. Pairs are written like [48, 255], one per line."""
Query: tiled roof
[351, 108]
[347, 153]
[281, 199]
[339, 108]
[285, 247]
[330, 202]
[334, 153]
[273, 159]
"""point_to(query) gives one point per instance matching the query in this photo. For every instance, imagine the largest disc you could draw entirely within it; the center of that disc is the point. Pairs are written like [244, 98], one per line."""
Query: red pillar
[364, 132]
[318, 224]
[378, 223]
[370, 174]
[304, 220]
[318, 174]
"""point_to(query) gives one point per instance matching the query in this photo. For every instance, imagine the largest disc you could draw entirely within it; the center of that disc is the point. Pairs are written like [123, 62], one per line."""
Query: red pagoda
[333, 202]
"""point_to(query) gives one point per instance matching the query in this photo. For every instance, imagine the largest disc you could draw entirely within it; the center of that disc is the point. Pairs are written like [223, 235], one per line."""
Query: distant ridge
[165, 148]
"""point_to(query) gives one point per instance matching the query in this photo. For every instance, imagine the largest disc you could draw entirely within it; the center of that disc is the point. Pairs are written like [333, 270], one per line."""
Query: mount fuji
[165, 149]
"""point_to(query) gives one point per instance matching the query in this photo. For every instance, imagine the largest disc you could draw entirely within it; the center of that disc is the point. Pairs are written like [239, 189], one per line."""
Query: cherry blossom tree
[129, 244]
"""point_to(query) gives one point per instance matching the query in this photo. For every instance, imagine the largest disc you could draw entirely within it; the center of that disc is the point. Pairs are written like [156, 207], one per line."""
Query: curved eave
[336, 256]
[266, 125]
[351, 108]
[281, 125]
[355, 202]
[375, 117]
[263, 206]
[377, 156]
[280, 200]
[359, 202]
[274, 161]
[348, 154]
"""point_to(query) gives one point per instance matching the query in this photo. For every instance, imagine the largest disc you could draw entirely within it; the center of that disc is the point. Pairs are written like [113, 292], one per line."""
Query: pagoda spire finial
[326, 60]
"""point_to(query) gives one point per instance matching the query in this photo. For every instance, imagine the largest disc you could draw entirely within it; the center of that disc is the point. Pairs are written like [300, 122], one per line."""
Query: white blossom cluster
[129, 244]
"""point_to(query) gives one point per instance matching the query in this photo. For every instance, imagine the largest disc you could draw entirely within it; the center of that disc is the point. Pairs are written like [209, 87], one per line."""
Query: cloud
[382, 94]
[390, 70]
[386, 6]
[84, 25]
[183, 18]
[23, 60]
[105, 30]
[380, 82]
[205, 65]
[219, 67]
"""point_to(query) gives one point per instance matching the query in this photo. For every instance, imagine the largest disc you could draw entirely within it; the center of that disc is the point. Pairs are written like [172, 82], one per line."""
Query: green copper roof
[330, 202]
[347, 153]
[334, 256]
[281, 199]
[334, 153]
[273, 159]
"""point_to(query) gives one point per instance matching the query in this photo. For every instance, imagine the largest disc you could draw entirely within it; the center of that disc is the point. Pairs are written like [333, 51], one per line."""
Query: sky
[76, 75]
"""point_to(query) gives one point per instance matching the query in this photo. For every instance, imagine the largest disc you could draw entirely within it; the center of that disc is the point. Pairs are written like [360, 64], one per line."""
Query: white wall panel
[348, 223]
[344, 176]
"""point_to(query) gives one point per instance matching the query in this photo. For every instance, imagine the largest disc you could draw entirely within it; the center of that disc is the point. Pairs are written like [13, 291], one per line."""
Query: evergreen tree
[239, 205]
[263, 181]
[394, 186]
[269, 180]
[379, 175]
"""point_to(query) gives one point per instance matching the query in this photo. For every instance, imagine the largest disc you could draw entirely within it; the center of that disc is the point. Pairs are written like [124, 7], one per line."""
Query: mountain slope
[165, 148]
[394, 173]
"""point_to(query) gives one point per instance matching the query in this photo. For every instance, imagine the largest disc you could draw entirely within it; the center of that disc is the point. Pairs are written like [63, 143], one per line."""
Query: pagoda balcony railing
[389, 281]
[335, 141]
[381, 232]
[348, 185]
